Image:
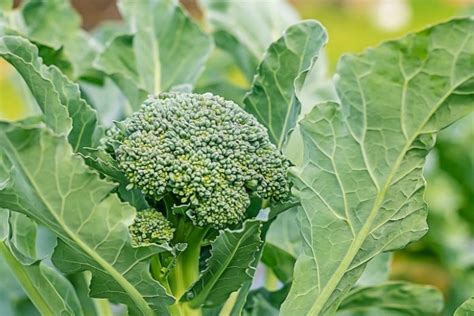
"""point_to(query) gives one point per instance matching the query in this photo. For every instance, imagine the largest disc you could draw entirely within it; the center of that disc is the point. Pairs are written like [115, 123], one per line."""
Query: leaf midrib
[210, 285]
[22, 276]
[360, 238]
[294, 101]
[133, 292]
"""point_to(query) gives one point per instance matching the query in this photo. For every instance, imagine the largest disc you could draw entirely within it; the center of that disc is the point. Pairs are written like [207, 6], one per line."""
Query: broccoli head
[150, 227]
[204, 150]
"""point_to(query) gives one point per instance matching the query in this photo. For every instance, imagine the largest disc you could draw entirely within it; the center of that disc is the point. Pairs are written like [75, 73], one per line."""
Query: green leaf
[24, 57]
[118, 61]
[273, 100]
[246, 61]
[48, 289]
[82, 50]
[58, 58]
[167, 49]
[108, 30]
[282, 240]
[361, 186]
[44, 18]
[260, 306]
[377, 270]
[80, 281]
[4, 224]
[245, 29]
[393, 298]
[241, 299]
[316, 88]
[65, 112]
[277, 212]
[233, 253]
[41, 21]
[112, 110]
[53, 186]
[23, 238]
[279, 261]
[170, 48]
[284, 232]
[217, 78]
[261, 300]
[11, 291]
[466, 308]
[108, 167]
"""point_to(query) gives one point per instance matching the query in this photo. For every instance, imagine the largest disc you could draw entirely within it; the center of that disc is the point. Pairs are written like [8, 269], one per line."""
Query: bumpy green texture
[204, 150]
[151, 227]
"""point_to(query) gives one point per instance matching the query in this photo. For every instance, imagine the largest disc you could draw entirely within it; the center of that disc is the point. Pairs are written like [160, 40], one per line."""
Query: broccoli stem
[157, 272]
[186, 270]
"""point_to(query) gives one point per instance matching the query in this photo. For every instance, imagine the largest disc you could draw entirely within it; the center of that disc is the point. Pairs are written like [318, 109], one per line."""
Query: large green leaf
[261, 307]
[115, 109]
[118, 61]
[64, 110]
[276, 211]
[71, 49]
[377, 270]
[49, 290]
[80, 281]
[466, 309]
[11, 292]
[23, 237]
[24, 57]
[361, 186]
[287, 61]
[43, 19]
[279, 261]
[233, 253]
[49, 183]
[392, 299]
[244, 29]
[217, 78]
[263, 298]
[317, 88]
[284, 233]
[167, 48]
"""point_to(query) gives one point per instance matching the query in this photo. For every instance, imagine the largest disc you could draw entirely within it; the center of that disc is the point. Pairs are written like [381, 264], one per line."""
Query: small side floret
[150, 227]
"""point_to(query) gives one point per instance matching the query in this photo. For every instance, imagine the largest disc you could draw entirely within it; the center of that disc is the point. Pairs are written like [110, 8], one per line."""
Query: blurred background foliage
[445, 256]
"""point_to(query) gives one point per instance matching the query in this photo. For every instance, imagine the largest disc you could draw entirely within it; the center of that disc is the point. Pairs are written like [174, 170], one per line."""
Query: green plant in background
[175, 207]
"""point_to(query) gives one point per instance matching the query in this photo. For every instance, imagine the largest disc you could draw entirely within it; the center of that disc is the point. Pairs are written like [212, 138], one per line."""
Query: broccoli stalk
[203, 152]
[184, 270]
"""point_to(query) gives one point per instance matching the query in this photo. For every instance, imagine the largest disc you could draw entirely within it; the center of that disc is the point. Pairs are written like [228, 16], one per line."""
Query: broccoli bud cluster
[150, 227]
[204, 150]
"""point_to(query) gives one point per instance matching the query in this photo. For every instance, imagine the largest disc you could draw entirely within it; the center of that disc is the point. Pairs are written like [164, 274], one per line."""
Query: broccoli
[203, 150]
[150, 226]
[202, 160]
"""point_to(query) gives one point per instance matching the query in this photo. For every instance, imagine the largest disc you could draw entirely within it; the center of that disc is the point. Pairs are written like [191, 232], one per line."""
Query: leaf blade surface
[54, 187]
[361, 186]
[272, 98]
[233, 253]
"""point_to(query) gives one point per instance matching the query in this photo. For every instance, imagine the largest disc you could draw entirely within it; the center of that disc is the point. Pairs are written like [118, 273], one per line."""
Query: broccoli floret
[204, 150]
[150, 227]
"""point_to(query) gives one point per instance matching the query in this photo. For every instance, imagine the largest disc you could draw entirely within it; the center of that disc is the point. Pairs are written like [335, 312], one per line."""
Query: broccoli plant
[198, 160]
[148, 180]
